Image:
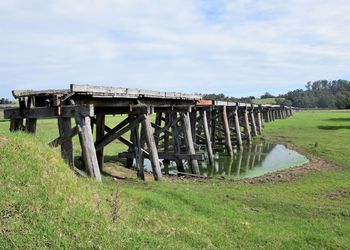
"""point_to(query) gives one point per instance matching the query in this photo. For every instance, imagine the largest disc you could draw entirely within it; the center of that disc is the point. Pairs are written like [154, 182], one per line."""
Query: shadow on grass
[333, 127]
[338, 119]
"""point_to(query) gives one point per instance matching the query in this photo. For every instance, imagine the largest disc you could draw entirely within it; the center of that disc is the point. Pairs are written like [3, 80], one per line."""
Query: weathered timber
[87, 146]
[189, 141]
[167, 156]
[49, 112]
[252, 119]
[65, 140]
[99, 91]
[176, 139]
[116, 132]
[260, 124]
[100, 132]
[237, 129]
[151, 145]
[207, 138]
[228, 143]
[65, 131]
[247, 127]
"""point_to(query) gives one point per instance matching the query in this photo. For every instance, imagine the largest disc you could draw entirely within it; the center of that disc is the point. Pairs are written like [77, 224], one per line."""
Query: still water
[252, 161]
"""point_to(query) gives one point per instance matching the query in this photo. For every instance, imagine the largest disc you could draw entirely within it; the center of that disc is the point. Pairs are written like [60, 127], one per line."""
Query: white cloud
[240, 47]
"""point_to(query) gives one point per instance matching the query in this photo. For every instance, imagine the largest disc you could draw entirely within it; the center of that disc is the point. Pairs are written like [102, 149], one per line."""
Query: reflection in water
[254, 160]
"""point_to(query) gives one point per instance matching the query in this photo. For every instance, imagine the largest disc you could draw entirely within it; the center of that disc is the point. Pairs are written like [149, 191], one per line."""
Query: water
[252, 161]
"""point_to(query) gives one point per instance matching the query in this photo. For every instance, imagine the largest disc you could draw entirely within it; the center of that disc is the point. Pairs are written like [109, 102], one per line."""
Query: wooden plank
[117, 92]
[26, 93]
[49, 112]
[87, 146]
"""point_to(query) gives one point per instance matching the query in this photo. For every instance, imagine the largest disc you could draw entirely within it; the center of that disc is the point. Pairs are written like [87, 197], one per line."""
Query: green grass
[43, 205]
[324, 133]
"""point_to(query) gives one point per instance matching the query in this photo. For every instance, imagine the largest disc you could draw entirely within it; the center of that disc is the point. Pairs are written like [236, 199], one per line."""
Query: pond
[255, 160]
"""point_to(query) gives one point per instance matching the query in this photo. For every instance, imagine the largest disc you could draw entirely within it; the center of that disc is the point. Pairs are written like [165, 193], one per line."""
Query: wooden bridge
[186, 127]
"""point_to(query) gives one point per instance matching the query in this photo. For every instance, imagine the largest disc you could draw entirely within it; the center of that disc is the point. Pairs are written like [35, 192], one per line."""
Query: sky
[235, 47]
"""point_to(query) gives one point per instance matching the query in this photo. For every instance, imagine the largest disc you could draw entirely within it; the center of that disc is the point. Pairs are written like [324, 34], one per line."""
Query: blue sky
[238, 48]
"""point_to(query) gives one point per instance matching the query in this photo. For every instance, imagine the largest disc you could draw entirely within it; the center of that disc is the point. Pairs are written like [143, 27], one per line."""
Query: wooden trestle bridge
[186, 127]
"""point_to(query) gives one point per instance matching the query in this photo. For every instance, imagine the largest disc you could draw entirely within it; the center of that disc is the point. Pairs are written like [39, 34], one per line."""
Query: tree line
[320, 94]
[5, 101]
[333, 94]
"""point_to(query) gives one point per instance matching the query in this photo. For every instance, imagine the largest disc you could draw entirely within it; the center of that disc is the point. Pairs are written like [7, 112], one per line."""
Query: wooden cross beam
[49, 112]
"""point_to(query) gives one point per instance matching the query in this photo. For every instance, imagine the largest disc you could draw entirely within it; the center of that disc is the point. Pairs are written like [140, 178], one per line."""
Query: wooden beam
[252, 118]
[100, 132]
[176, 138]
[247, 126]
[49, 112]
[189, 141]
[207, 138]
[237, 129]
[226, 131]
[116, 132]
[66, 132]
[65, 140]
[151, 145]
[168, 156]
[87, 146]
[260, 126]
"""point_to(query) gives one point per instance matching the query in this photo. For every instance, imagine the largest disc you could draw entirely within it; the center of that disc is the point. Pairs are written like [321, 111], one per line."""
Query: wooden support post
[31, 125]
[238, 129]
[213, 122]
[158, 123]
[252, 118]
[193, 117]
[176, 141]
[130, 160]
[64, 128]
[189, 141]
[268, 115]
[147, 129]
[260, 126]
[247, 127]
[228, 143]
[207, 138]
[100, 132]
[166, 136]
[16, 124]
[88, 147]
[272, 114]
[137, 150]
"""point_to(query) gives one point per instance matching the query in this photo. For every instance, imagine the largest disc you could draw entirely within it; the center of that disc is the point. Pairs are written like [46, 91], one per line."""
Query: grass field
[43, 205]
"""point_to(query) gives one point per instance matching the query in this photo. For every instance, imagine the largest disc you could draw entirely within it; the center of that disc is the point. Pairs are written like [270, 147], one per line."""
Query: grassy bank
[44, 205]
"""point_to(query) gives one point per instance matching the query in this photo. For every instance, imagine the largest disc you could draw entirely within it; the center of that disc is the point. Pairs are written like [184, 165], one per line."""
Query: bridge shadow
[333, 127]
[338, 119]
